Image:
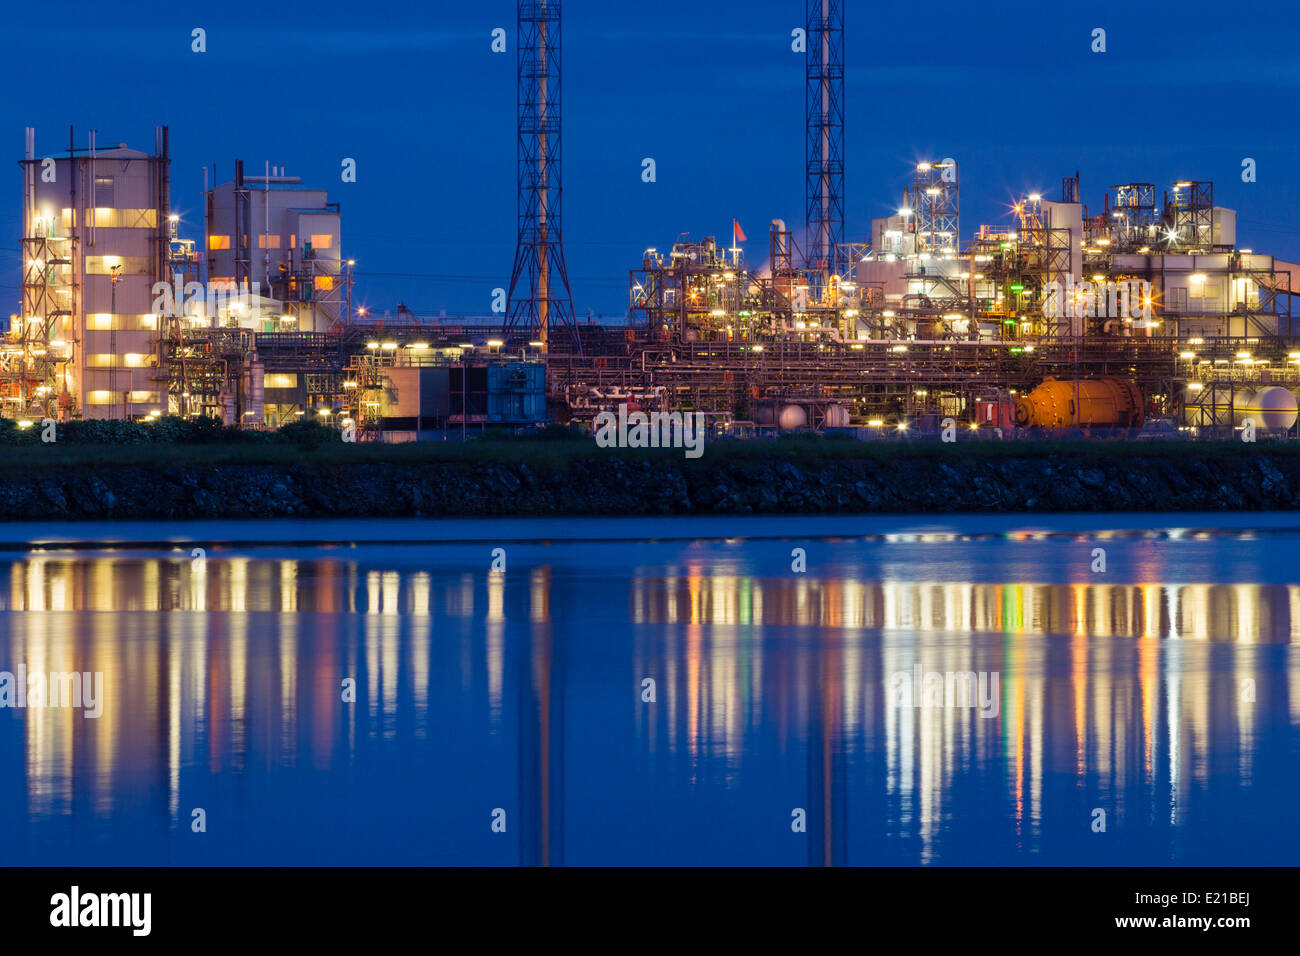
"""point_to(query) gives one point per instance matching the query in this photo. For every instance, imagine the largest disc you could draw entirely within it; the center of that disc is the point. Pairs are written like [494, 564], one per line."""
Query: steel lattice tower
[540, 297]
[824, 188]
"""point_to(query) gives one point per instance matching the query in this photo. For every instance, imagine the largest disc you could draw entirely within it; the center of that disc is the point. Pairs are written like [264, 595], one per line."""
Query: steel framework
[40, 370]
[1134, 212]
[824, 183]
[1191, 210]
[539, 296]
[874, 378]
[935, 204]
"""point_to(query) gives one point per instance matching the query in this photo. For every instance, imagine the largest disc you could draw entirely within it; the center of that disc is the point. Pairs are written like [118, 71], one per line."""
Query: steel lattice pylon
[539, 282]
[824, 186]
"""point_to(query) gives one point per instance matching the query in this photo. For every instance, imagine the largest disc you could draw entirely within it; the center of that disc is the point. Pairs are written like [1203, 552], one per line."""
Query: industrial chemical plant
[1138, 306]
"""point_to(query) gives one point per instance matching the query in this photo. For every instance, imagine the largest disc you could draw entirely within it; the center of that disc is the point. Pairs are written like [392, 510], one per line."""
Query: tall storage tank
[1068, 215]
[256, 391]
[1061, 403]
[1225, 226]
[226, 402]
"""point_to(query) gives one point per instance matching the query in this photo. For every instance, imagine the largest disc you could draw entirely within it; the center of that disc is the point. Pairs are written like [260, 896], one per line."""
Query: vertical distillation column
[536, 302]
[824, 183]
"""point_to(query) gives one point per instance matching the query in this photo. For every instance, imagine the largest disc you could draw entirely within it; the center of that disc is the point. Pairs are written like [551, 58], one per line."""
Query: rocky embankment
[613, 485]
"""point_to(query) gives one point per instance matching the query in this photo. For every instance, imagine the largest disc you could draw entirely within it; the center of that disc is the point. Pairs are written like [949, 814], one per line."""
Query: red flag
[740, 233]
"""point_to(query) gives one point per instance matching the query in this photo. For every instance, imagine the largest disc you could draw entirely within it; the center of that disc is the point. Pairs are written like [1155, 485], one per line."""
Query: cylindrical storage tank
[1271, 407]
[792, 417]
[837, 416]
[1058, 403]
[256, 392]
[1295, 393]
[226, 402]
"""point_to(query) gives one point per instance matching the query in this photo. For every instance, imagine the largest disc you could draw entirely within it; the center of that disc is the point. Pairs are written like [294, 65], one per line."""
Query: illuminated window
[222, 283]
[130, 265]
[100, 397]
[106, 217]
[325, 241]
[145, 397]
[103, 191]
[280, 380]
[104, 322]
[125, 360]
[324, 283]
[137, 218]
[218, 242]
[275, 242]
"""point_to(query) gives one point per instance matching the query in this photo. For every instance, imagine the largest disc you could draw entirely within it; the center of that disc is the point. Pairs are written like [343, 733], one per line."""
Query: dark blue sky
[711, 91]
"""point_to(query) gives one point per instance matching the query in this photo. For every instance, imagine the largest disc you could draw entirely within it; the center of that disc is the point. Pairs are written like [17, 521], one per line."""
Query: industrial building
[96, 238]
[122, 318]
[919, 324]
[1142, 305]
[271, 231]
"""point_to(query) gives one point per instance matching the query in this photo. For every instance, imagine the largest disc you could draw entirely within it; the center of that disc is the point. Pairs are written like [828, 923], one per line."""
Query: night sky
[711, 91]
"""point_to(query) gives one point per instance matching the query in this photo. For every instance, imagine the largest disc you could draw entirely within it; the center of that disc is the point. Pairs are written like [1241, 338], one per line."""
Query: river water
[677, 691]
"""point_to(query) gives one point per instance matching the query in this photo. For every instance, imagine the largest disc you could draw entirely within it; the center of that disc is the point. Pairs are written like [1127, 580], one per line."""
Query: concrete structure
[96, 239]
[282, 241]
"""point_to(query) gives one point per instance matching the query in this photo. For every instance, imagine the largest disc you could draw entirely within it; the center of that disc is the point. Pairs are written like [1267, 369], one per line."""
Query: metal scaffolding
[935, 207]
[824, 180]
[539, 296]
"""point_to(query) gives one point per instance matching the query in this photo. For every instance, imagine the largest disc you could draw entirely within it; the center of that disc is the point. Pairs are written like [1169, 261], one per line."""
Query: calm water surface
[1164, 691]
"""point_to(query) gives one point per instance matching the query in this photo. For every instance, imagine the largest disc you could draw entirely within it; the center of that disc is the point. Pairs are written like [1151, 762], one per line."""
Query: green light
[1016, 351]
[1017, 288]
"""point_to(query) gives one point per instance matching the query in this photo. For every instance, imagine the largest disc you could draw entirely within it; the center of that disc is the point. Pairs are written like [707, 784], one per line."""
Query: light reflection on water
[1241, 612]
[523, 691]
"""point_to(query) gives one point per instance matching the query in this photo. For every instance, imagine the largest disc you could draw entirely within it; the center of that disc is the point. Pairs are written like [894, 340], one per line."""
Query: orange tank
[1113, 402]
